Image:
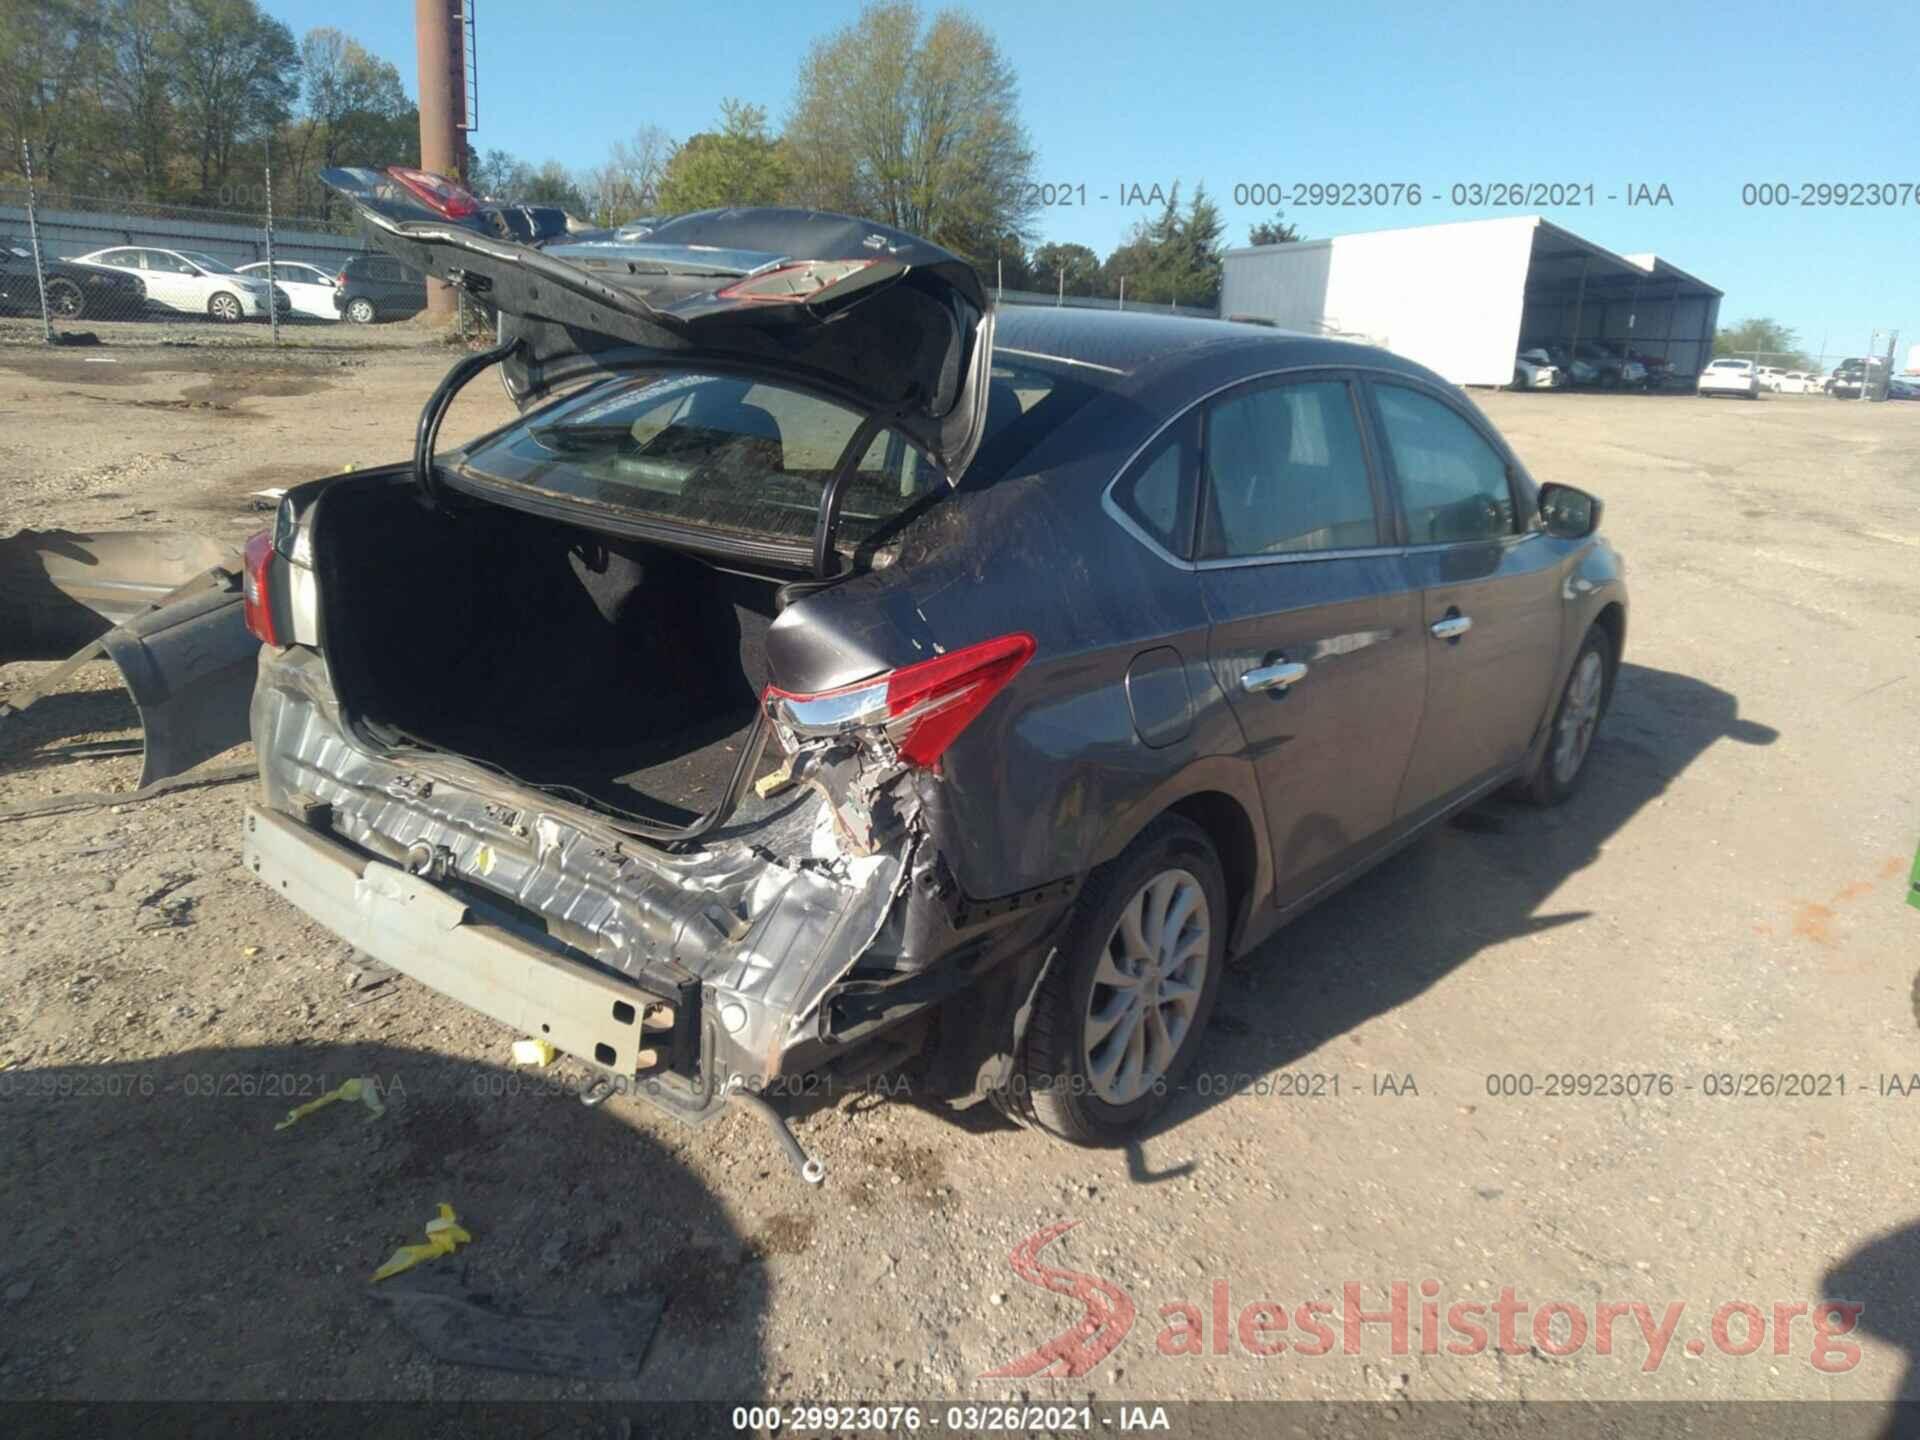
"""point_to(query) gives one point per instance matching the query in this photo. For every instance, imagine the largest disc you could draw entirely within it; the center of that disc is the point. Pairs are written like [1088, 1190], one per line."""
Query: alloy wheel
[224, 308]
[1579, 717]
[64, 299]
[1147, 987]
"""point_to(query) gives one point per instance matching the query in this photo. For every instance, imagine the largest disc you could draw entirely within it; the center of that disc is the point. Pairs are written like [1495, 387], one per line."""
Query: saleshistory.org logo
[1400, 1324]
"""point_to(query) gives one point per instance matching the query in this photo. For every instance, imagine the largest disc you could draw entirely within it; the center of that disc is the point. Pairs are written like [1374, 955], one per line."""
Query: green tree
[1173, 257]
[1765, 338]
[738, 164]
[915, 125]
[1202, 242]
[553, 184]
[1273, 232]
[354, 111]
[237, 76]
[51, 61]
[1068, 266]
[140, 36]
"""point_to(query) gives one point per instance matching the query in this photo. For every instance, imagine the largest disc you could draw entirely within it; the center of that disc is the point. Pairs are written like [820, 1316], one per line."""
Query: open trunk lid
[887, 323]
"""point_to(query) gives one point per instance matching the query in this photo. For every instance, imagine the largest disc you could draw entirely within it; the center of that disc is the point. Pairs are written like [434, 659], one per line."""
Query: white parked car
[1770, 377]
[1535, 370]
[1731, 377]
[1794, 382]
[190, 282]
[308, 286]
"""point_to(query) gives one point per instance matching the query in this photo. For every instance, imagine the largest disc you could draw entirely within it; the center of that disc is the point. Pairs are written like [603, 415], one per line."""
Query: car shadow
[165, 1242]
[1882, 1277]
[1465, 886]
[30, 738]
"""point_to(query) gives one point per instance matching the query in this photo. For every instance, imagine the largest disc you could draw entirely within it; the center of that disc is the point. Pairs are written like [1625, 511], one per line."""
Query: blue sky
[1702, 98]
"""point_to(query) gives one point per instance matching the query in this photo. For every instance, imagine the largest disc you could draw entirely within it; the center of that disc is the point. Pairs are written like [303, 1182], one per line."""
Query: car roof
[1127, 342]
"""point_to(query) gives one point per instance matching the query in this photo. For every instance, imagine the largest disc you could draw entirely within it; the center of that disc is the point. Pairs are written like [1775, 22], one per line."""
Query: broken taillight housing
[256, 598]
[921, 707]
[436, 191]
[793, 284]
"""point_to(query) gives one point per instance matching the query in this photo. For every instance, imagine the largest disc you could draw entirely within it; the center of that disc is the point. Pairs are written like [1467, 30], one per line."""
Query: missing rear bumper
[422, 931]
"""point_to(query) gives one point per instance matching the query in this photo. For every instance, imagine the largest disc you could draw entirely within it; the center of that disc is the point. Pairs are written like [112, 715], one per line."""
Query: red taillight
[256, 601]
[341, 278]
[922, 707]
[436, 191]
[793, 284]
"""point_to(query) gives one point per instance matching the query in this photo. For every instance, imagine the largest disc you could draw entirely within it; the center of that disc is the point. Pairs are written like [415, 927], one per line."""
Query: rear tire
[224, 309]
[1519, 380]
[1121, 1015]
[1576, 721]
[360, 310]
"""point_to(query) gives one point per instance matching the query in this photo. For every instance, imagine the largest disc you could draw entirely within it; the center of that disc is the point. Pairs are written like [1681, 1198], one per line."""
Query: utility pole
[438, 44]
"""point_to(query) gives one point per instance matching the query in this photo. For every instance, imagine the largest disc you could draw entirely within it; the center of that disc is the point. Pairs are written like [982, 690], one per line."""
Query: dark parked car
[1617, 369]
[1850, 377]
[74, 292]
[844, 676]
[377, 287]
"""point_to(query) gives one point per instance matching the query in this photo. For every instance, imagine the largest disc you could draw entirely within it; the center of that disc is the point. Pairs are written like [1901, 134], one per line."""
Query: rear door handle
[1282, 676]
[1451, 628]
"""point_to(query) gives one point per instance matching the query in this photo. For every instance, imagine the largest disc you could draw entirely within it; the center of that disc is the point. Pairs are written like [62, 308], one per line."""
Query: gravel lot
[1723, 899]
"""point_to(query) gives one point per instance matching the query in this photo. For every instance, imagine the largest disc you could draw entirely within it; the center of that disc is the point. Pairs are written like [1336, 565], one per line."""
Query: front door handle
[1281, 676]
[1451, 628]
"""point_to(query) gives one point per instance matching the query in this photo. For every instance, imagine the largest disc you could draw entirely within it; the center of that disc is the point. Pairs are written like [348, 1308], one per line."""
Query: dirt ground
[1724, 899]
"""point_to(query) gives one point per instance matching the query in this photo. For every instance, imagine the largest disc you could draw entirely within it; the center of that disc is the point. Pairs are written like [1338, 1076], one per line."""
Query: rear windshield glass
[707, 450]
[753, 458]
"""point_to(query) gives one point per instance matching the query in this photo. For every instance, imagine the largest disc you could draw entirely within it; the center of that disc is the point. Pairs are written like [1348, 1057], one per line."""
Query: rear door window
[714, 452]
[1286, 473]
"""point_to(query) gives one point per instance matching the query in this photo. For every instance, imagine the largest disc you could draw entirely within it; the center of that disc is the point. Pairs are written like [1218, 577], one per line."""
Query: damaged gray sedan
[827, 675]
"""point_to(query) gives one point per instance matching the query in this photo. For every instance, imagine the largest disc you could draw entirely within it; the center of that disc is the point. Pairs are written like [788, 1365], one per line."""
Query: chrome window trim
[1234, 562]
[1058, 359]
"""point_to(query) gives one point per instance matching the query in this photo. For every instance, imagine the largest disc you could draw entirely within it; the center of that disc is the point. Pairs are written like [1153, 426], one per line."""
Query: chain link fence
[1100, 302]
[1868, 373]
[89, 266]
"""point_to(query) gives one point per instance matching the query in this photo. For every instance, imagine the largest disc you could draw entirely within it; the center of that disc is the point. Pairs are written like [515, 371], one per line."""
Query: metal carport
[1577, 290]
[1461, 297]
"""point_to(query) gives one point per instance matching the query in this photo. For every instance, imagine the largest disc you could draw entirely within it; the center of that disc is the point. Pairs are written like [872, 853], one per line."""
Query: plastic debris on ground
[533, 1052]
[366, 1090]
[444, 1236]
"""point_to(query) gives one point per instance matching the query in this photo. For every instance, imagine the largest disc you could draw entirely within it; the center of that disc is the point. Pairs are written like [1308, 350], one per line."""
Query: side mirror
[1567, 513]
